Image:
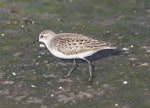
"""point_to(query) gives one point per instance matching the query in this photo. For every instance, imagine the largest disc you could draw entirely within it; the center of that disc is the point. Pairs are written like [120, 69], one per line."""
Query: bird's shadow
[103, 54]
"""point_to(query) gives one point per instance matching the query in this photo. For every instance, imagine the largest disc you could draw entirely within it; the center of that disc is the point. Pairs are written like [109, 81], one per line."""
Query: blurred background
[28, 75]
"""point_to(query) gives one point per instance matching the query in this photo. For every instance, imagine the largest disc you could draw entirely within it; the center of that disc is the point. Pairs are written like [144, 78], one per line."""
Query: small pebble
[39, 56]
[60, 88]
[116, 104]
[33, 22]
[13, 73]
[2, 34]
[125, 82]
[144, 64]
[148, 51]
[136, 33]
[15, 22]
[42, 45]
[131, 46]
[37, 63]
[125, 49]
[22, 26]
[134, 11]
[132, 59]
[33, 86]
[52, 95]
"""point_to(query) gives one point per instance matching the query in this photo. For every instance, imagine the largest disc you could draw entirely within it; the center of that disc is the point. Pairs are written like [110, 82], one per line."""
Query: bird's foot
[63, 76]
[90, 80]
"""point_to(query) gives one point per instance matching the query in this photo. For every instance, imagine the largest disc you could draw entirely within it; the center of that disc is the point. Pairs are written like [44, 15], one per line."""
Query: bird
[73, 46]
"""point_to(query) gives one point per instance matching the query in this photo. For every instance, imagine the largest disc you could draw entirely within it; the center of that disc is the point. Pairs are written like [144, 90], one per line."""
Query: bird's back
[71, 44]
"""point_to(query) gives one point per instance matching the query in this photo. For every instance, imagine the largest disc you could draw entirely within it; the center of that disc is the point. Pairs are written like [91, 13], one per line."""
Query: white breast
[74, 56]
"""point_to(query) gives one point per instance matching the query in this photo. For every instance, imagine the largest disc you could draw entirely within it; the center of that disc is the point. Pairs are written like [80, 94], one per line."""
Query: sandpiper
[73, 46]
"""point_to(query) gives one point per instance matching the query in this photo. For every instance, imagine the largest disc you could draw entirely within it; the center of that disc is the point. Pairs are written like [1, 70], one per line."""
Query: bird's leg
[90, 80]
[74, 66]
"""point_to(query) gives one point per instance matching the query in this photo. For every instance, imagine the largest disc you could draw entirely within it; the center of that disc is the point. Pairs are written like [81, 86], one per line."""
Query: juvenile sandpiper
[73, 46]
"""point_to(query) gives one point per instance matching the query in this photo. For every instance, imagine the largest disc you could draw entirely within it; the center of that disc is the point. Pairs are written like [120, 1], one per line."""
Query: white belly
[73, 56]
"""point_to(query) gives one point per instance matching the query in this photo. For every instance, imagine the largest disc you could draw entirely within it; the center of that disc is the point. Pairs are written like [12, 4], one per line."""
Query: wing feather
[76, 43]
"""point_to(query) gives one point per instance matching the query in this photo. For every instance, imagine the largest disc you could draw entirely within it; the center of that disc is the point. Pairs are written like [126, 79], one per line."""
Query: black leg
[74, 66]
[90, 80]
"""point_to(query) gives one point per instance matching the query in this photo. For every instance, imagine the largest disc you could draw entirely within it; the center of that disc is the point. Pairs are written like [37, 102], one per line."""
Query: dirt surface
[29, 74]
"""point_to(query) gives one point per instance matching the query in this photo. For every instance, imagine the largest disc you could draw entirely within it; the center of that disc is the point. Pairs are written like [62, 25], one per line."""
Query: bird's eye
[41, 36]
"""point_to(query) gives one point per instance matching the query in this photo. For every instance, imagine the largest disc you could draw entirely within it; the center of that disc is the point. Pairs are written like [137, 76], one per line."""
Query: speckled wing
[70, 43]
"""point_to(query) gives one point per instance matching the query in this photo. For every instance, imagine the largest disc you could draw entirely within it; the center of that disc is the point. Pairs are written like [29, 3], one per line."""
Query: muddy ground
[29, 74]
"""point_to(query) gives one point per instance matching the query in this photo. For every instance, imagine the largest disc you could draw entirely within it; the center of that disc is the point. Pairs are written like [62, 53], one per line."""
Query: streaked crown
[46, 35]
